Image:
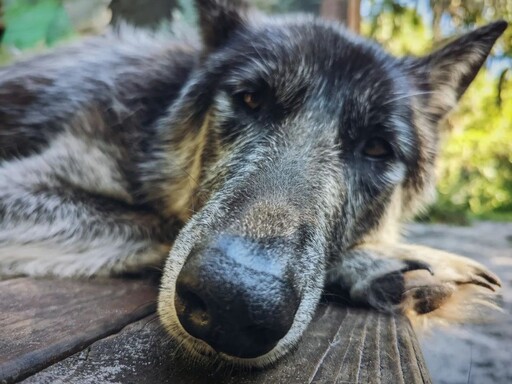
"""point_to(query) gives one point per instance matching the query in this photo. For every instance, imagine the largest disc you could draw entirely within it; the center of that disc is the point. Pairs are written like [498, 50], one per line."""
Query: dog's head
[304, 140]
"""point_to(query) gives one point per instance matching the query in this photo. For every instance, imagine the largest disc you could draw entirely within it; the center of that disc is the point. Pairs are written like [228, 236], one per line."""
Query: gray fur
[110, 147]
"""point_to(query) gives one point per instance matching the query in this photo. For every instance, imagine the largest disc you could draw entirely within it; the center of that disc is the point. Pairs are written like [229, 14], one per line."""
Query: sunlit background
[475, 169]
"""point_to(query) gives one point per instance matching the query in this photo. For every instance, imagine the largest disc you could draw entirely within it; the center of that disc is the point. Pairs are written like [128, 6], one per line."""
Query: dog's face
[307, 141]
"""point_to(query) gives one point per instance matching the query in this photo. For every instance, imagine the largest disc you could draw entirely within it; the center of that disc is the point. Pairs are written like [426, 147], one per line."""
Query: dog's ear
[446, 73]
[218, 19]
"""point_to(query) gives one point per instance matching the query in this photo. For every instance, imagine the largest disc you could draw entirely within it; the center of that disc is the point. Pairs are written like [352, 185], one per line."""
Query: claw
[477, 280]
[490, 277]
[414, 265]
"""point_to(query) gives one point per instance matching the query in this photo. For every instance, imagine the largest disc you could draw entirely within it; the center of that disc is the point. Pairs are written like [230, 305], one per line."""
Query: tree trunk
[142, 13]
[437, 11]
[345, 11]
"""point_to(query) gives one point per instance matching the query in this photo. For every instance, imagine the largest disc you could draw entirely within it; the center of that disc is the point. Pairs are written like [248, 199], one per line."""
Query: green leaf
[35, 22]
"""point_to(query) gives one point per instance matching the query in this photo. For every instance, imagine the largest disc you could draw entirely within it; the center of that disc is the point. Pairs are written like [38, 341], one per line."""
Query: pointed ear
[446, 73]
[218, 19]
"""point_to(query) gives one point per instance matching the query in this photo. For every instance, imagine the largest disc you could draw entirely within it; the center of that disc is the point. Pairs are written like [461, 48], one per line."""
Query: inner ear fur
[445, 74]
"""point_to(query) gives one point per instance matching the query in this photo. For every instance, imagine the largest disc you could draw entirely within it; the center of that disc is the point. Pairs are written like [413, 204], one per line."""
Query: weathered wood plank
[44, 321]
[341, 346]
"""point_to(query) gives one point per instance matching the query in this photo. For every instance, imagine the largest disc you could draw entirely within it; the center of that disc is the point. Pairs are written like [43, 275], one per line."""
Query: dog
[276, 157]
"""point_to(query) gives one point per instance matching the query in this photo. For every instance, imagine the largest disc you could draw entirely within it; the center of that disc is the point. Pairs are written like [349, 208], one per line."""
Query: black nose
[235, 297]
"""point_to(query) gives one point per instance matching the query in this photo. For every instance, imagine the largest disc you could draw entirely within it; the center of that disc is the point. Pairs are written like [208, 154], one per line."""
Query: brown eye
[252, 100]
[377, 148]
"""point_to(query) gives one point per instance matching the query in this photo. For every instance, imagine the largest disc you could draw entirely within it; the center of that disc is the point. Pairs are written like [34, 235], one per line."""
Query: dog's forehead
[318, 69]
[312, 46]
[307, 54]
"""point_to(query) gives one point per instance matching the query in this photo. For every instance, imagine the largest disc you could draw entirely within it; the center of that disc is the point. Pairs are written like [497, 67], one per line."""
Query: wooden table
[106, 331]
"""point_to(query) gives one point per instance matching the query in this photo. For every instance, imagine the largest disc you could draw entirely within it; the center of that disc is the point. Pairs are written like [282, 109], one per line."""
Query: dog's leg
[424, 283]
[69, 234]
[49, 227]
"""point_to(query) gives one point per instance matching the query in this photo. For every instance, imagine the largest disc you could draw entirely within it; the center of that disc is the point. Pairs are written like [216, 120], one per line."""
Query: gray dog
[284, 150]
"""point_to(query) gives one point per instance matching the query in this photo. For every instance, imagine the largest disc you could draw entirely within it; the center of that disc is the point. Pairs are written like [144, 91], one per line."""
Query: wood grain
[341, 346]
[44, 321]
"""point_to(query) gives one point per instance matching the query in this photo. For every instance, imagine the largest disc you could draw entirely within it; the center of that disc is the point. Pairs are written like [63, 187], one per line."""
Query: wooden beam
[347, 12]
[354, 15]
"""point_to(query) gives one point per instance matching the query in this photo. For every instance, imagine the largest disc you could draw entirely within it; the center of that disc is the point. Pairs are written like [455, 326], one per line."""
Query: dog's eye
[251, 100]
[377, 148]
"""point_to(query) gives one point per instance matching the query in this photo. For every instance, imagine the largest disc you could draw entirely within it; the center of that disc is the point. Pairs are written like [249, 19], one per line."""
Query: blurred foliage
[142, 13]
[188, 11]
[280, 6]
[400, 29]
[475, 168]
[475, 173]
[35, 22]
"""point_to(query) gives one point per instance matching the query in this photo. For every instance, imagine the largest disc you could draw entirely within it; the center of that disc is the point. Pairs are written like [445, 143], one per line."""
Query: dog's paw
[419, 287]
[389, 291]
[447, 288]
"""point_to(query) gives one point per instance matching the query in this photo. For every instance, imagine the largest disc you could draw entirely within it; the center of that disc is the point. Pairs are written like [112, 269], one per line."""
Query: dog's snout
[226, 297]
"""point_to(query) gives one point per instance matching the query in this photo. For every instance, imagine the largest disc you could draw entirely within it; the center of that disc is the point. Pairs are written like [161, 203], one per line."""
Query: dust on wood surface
[43, 321]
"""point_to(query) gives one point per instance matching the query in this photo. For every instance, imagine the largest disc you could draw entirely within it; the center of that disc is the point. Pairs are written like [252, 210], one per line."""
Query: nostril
[194, 303]
[192, 312]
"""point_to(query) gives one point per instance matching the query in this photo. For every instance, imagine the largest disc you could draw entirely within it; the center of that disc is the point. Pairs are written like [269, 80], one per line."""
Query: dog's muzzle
[235, 295]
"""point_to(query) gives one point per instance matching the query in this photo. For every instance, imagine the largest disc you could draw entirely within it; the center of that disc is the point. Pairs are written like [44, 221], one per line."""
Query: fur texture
[308, 143]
